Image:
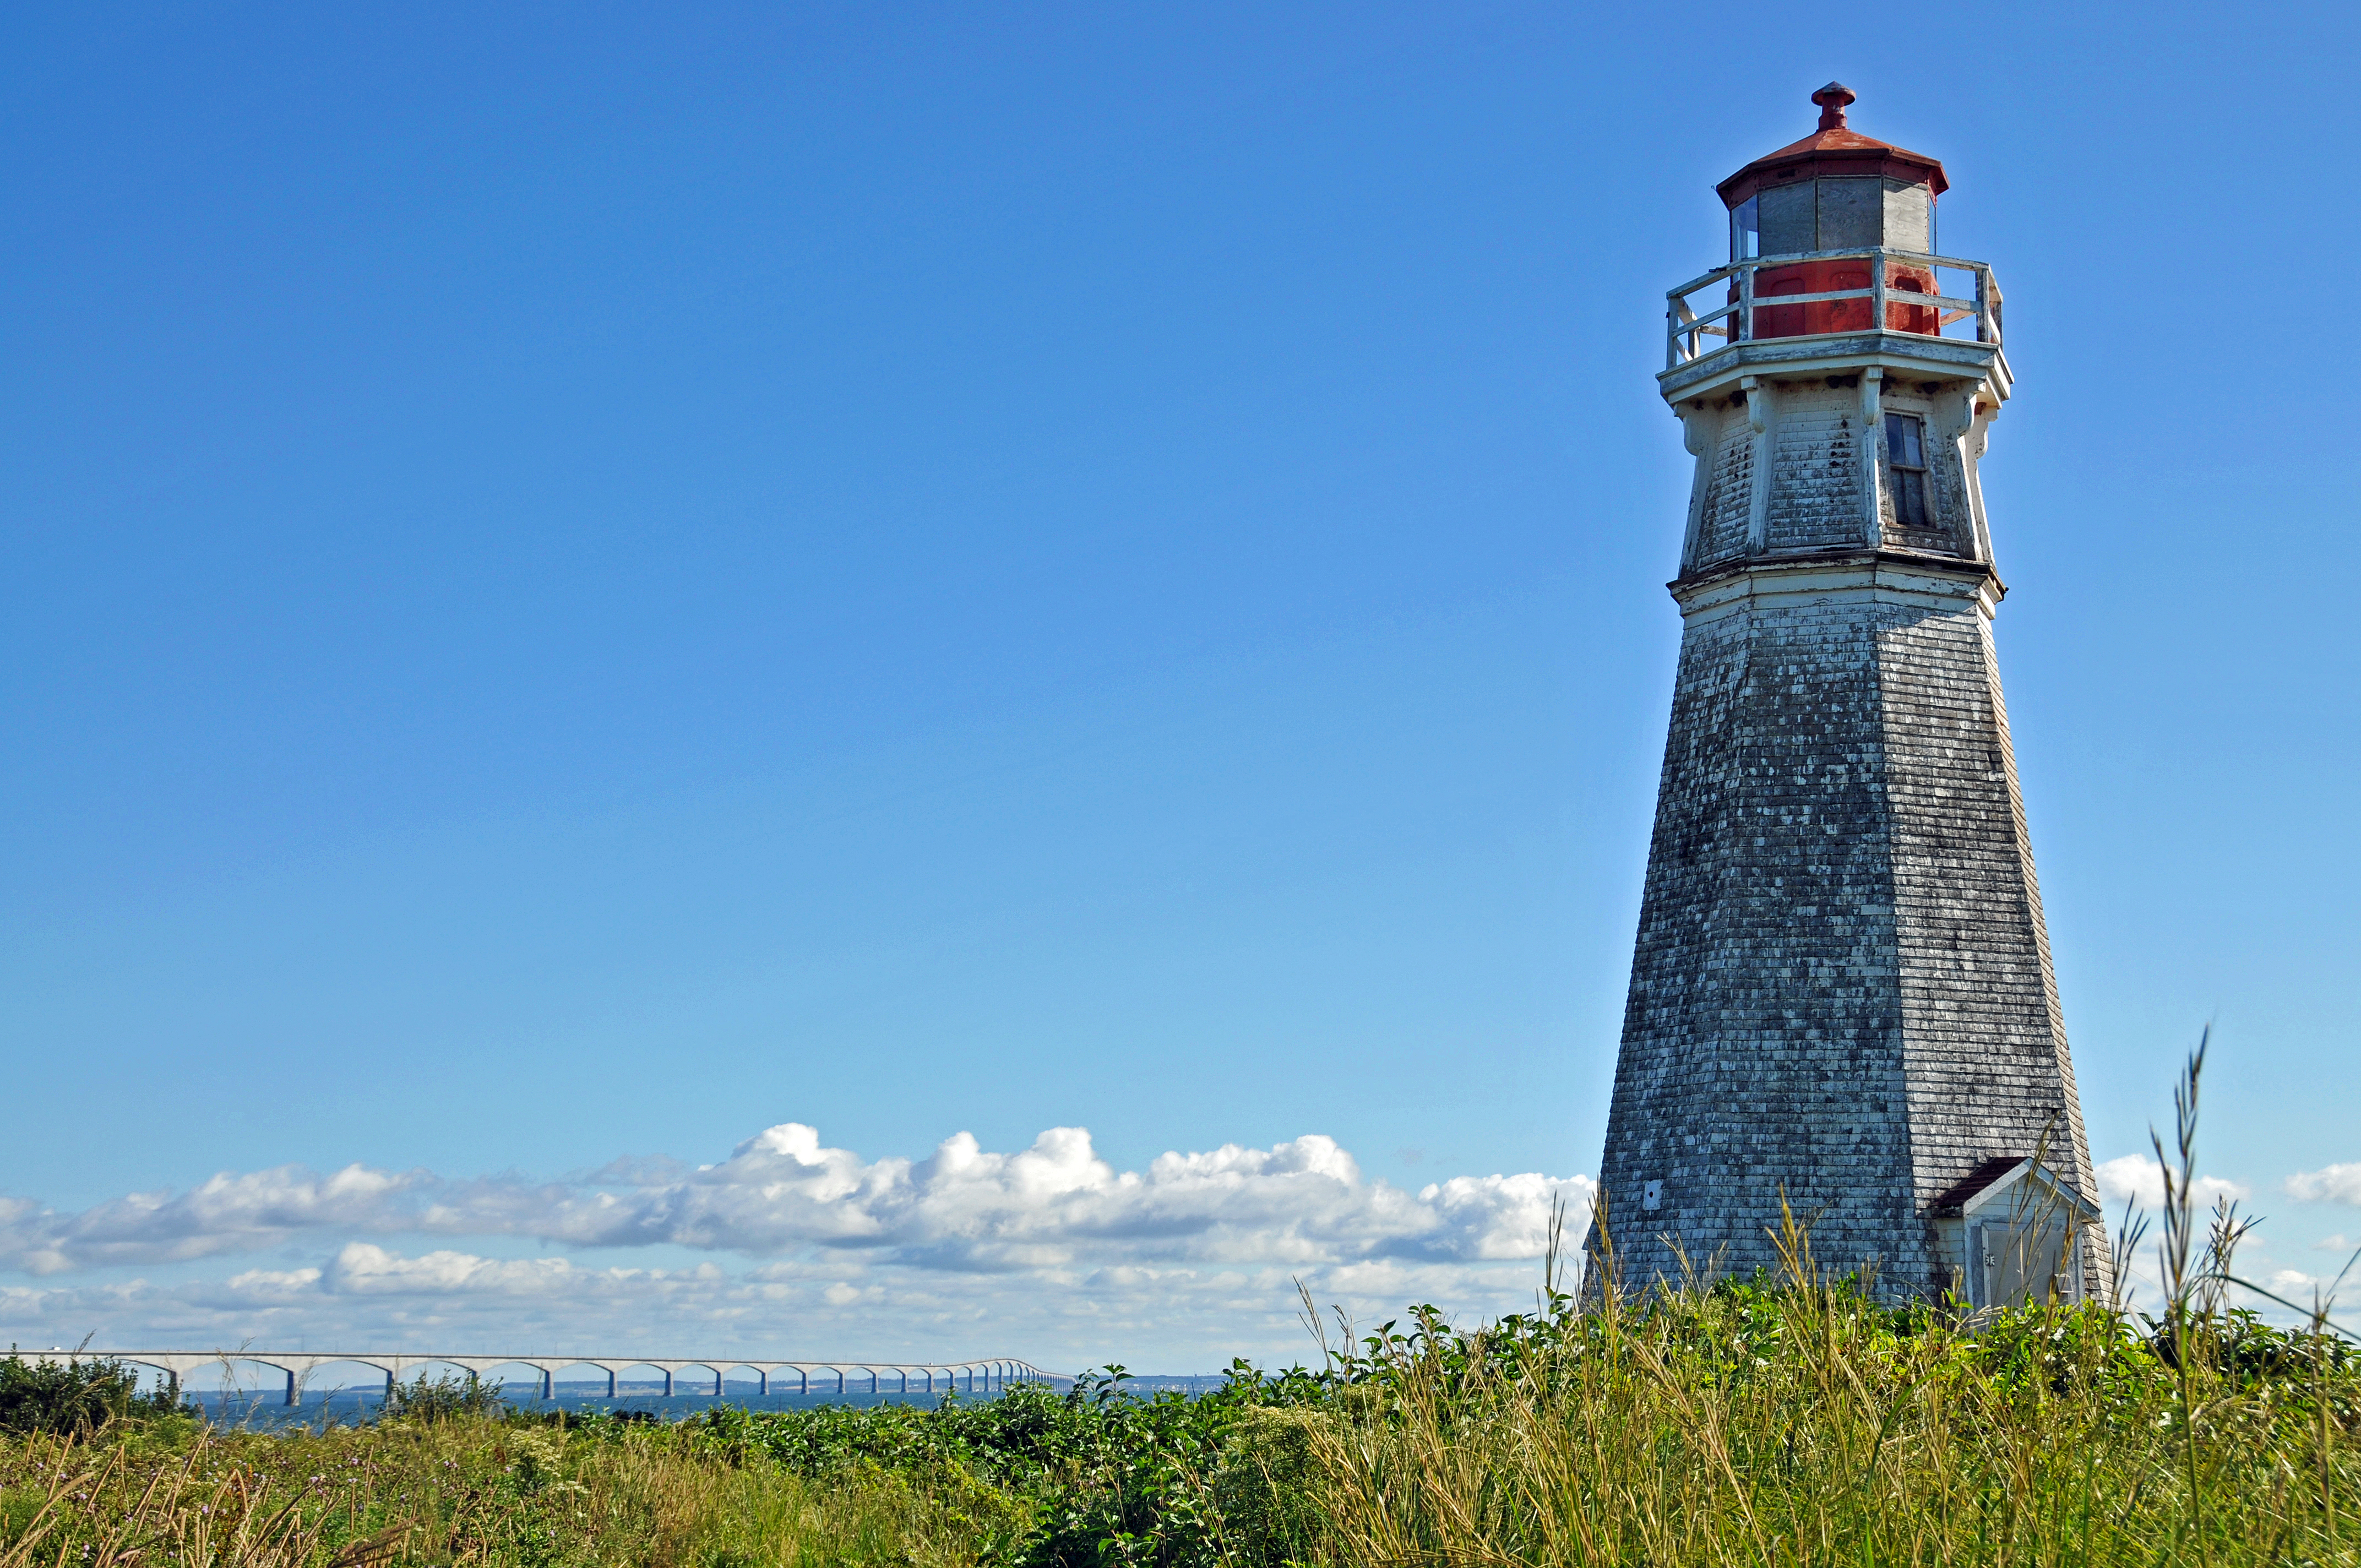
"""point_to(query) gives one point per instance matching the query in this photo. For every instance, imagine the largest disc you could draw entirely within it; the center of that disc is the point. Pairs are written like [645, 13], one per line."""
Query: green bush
[425, 1398]
[1266, 1488]
[72, 1395]
[1103, 1475]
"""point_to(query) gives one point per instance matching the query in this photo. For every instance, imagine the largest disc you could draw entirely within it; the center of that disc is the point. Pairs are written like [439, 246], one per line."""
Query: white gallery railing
[1740, 318]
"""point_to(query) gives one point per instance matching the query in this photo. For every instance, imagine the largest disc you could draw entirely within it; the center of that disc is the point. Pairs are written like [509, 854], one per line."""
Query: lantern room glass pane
[1851, 215]
[1745, 231]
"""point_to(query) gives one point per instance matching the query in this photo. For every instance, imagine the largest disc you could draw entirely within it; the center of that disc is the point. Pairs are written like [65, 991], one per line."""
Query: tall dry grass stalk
[1806, 1427]
[466, 1491]
[1798, 1421]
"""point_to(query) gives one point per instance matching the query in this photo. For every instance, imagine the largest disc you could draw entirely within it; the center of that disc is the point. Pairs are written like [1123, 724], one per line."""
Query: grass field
[1797, 1424]
[1778, 1421]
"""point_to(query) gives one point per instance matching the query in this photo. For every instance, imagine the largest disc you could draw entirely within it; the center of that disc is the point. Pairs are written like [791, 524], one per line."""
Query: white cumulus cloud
[1049, 1242]
[233, 1212]
[2331, 1184]
[2141, 1180]
[782, 1192]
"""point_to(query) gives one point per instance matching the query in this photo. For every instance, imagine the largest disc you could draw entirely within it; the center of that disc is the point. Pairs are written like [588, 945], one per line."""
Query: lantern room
[1835, 191]
[1831, 234]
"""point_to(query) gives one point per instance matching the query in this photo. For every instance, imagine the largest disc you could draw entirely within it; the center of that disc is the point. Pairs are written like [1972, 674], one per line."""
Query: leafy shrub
[440, 1399]
[72, 1395]
[1095, 1475]
[1266, 1489]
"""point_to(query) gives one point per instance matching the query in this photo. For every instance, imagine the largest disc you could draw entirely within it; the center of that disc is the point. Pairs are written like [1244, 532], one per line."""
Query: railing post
[1877, 293]
[1985, 332]
[1745, 306]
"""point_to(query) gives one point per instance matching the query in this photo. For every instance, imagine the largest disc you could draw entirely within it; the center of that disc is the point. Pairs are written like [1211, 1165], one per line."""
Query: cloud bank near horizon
[963, 1209]
[1051, 1238]
[1046, 1247]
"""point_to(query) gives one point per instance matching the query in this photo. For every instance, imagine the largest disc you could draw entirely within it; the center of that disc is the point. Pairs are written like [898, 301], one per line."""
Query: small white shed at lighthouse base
[2001, 1234]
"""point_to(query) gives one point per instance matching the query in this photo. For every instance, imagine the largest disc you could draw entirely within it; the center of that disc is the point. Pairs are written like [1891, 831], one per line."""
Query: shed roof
[1954, 1198]
[1969, 1191]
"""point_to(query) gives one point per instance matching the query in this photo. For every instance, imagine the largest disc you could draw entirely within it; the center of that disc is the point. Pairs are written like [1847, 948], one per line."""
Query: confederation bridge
[777, 1376]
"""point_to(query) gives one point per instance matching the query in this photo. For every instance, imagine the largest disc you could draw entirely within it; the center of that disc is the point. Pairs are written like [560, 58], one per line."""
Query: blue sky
[589, 581]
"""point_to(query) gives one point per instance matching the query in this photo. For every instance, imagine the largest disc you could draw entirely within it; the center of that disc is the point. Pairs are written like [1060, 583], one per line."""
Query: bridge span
[984, 1376]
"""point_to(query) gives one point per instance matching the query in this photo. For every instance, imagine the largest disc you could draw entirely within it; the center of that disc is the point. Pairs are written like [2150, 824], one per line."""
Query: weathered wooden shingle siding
[1816, 469]
[1988, 1069]
[1841, 989]
[1724, 533]
[1762, 1042]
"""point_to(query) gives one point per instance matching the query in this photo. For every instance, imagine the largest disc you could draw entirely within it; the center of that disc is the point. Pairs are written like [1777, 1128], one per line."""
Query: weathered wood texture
[1841, 986]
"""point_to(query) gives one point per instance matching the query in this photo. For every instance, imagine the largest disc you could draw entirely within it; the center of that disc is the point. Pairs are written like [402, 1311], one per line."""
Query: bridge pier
[294, 1388]
[548, 1383]
[668, 1372]
[611, 1383]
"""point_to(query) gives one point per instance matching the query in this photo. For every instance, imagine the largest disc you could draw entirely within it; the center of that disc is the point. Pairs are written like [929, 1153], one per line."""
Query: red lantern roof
[1836, 152]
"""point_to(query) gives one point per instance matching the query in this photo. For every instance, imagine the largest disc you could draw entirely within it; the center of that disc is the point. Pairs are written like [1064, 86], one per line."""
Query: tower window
[1906, 458]
[1745, 231]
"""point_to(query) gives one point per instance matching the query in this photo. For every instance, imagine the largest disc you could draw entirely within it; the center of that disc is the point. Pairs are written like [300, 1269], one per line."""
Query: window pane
[1910, 497]
[1902, 441]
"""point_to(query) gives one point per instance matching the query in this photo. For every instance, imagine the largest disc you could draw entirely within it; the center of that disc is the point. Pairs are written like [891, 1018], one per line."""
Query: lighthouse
[1841, 992]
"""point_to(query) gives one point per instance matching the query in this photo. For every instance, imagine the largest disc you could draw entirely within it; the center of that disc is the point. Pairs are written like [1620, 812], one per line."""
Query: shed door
[2017, 1263]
